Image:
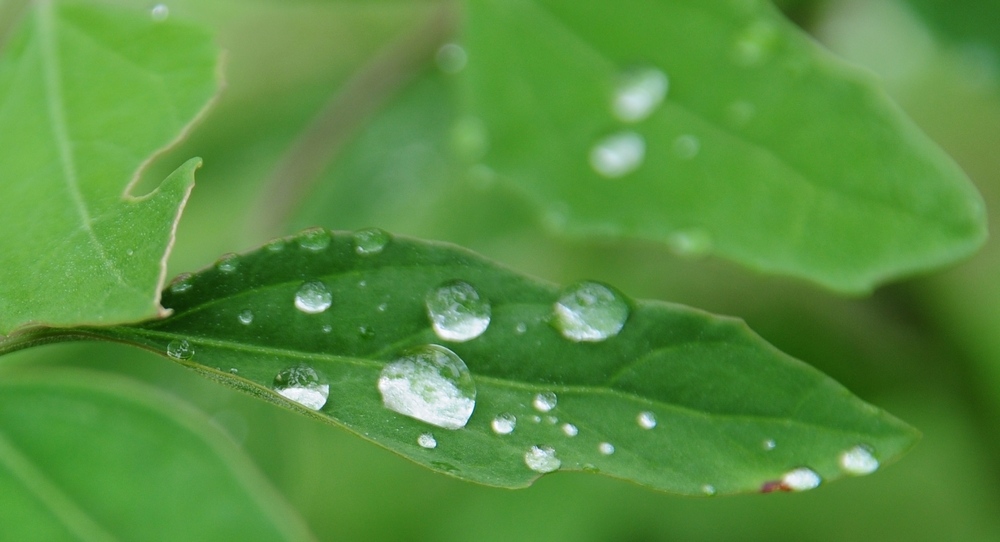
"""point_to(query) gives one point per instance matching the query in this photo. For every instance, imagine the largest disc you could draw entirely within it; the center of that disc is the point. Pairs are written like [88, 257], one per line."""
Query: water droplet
[570, 430]
[451, 58]
[275, 245]
[646, 420]
[429, 383]
[769, 444]
[551, 420]
[234, 370]
[741, 112]
[535, 419]
[180, 349]
[303, 385]
[687, 146]
[591, 312]
[327, 328]
[362, 283]
[858, 461]
[708, 489]
[181, 283]
[542, 459]
[159, 13]
[382, 306]
[129, 252]
[227, 263]
[618, 154]
[504, 424]
[800, 479]
[606, 448]
[755, 44]
[245, 316]
[314, 239]
[638, 93]
[456, 311]
[544, 402]
[313, 297]
[470, 138]
[692, 243]
[366, 332]
[370, 241]
[521, 328]
[427, 440]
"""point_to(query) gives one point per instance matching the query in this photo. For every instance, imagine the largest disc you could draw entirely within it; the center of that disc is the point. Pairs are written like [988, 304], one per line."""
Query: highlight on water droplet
[589, 312]
[690, 243]
[638, 93]
[545, 401]
[180, 349]
[800, 479]
[451, 58]
[370, 241]
[227, 263]
[314, 239]
[245, 317]
[303, 385]
[313, 297]
[181, 283]
[755, 43]
[687, 146]
[160, 13]
[429, 383]
[570, 430]
[427, 440]
[606, 448]
[457, 312]
[542, 459]
[504, 424]
[646, 420]
[618, 154]
[858, 461]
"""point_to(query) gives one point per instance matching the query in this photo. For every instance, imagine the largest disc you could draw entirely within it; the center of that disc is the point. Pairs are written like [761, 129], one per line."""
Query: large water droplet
[606, 448]
[245, 317]
[456, 311]
[687, 146]
[638, 93]
[429, 383]
[646, 420]
[181, 283]
[313, 298]
[800, 479]
[504, 424]
[544, 402]
[370, 241]
[451, 58]
[858, 461]
[570, 430]
[160, 13]
[227, 263]
[180, 349]
[591, 312]
[427, 440]
[542, 459]
[303, 385]
[314, 239]
[618, 154]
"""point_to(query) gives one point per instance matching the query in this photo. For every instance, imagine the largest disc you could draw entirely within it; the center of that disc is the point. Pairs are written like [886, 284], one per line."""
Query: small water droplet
[570, 430]
[451, 58]
[382, 307]
[544, 402]
[800, 479]
[129, 252]
[227, 263]
[638, 93]
[551, 420]
[521, 328]
[427, 440]
[366, 332]
[542, 459]
[314, 239]
[618, 154]
[370, 241]
[504, 424]
[535, 419]
[858, 461]
[313, 297]
[646, 420]
[456, 311]
[687, 146]
[606, 448]
[245, 317]
[769, 444]
[327, 328]
[755, 44]
[159, 13]
[181, 283]
[180, 349]
[591, 312]
[691, 243]
[275, 245]
[234, 370]
[708, 489]
[303, 385]
[469, 138]
[362, 283]
[429, 383]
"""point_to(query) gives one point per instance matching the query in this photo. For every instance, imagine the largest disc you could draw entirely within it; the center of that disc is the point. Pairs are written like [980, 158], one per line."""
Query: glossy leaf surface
[87, 94]
[327, 315]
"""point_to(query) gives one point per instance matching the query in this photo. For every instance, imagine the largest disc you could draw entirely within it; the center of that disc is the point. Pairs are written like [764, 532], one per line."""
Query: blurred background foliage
[926, 349]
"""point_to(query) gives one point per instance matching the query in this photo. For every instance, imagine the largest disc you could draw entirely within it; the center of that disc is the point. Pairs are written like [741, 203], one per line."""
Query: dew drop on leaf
[245, 317]
[542, 459]
[427, 440]
[708, 489]
[800, 479]
[646, 420]
[276, 245]
[180, 349]
[570, 430]
[314, 239]
[181, 283]
[590, 312]
[313, 298]
[755, 43]
[303, 385]
[769, 444]
[227, 263]
[159, 13]
[429, 383]
[544, 402]
[370, 241]
[504, 424]
[858, 461]
[457, 312]
[521, 328]
[638, 93]
[606, 448]
[691, 243]
[618, 154]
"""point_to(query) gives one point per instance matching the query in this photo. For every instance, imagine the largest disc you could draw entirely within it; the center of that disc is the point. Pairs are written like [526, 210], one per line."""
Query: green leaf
[87, 94]
[343, 316]
[88, 457]
[765, 150]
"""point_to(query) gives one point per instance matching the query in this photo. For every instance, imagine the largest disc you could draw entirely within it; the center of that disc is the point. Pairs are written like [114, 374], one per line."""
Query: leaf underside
[732, 413]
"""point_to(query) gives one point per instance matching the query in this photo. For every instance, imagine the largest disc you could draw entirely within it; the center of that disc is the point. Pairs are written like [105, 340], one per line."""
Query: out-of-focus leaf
[336, 327]
[87, 457]
[87, 94]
